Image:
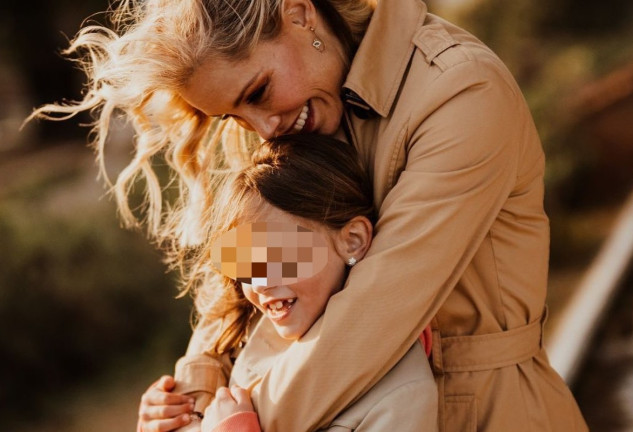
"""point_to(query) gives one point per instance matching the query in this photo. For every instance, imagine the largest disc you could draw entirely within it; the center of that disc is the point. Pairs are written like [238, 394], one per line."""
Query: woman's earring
[351, 262]
[316, 42]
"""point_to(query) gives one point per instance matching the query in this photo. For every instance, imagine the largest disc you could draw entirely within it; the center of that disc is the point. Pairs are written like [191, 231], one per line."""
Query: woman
[457, 167]
[304, 206]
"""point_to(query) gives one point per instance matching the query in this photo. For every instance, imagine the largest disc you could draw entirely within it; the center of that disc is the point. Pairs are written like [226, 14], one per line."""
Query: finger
[164, 412]
[223, 393]
[166, 425]
[158, 397]
[166, 382]
[241, 396]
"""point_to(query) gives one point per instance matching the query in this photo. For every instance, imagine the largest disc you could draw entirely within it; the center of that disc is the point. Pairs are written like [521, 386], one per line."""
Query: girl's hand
[161, 410]
[226, 403]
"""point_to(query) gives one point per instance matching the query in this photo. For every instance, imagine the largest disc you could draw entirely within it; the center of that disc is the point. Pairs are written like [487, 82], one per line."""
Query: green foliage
[77, 296]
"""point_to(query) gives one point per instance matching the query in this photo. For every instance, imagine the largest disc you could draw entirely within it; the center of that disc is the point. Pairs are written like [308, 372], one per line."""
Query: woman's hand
[161, 410]
[226, 403]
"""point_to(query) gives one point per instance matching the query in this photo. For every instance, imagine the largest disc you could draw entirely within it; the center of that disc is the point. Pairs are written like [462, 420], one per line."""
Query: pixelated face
[270, 253]
[287, 271]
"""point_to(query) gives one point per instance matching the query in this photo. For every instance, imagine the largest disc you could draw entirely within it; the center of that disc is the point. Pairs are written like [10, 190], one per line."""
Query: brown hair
[314, 177]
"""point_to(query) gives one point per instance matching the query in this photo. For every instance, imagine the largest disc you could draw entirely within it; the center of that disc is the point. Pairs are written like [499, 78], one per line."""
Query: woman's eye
[256, 96]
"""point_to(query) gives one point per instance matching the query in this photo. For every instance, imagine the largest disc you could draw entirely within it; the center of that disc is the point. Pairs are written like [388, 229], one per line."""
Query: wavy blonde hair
[136, 67]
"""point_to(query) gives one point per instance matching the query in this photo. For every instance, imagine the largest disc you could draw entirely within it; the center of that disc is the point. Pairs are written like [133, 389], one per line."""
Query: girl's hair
[137, 67]
[316, 178]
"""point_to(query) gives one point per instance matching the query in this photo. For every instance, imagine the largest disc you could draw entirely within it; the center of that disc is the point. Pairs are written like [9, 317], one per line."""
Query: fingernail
[186, 418]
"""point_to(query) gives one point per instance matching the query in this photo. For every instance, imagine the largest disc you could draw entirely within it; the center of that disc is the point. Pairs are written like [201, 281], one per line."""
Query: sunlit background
[88, 315]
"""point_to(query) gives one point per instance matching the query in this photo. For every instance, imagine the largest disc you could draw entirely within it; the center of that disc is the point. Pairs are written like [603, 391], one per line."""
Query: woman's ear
[354, 239]
[299, 12]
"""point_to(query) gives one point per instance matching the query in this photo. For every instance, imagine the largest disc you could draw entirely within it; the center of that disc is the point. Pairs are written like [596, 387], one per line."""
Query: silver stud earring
[316, 42]
[351, 262]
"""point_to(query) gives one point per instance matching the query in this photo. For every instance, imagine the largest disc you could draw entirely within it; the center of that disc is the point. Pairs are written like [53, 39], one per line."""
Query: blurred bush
[77, 297]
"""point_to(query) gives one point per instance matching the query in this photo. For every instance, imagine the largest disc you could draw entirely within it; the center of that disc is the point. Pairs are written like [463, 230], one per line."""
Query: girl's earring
[316, 42]
[351, 262]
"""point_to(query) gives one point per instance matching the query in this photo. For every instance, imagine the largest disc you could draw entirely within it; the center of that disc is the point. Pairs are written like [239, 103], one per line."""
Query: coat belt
[487, 351]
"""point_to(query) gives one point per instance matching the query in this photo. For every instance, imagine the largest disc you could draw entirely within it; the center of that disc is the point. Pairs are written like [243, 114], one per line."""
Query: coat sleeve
[198, 373]
[462, 159]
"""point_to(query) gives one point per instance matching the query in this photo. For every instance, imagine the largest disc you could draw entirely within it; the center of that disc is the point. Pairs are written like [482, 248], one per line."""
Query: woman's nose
[267, 126]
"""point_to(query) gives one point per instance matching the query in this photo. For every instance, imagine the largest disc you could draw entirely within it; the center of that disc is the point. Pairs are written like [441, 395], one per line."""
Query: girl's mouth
[278, 309]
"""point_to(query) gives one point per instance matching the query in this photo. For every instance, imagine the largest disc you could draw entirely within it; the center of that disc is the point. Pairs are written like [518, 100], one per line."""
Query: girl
[284, 234]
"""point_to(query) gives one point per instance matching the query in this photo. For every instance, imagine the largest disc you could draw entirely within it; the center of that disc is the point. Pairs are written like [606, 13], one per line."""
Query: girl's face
[284, 86]
[293, 308]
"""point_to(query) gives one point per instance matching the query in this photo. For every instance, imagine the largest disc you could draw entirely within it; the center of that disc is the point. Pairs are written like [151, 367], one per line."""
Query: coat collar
[383, 55]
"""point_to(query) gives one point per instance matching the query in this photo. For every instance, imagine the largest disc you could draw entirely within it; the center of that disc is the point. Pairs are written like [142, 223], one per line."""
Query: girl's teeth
[279, 304]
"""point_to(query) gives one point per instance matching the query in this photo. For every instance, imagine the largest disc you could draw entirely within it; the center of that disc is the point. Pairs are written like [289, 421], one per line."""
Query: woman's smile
[297, 93]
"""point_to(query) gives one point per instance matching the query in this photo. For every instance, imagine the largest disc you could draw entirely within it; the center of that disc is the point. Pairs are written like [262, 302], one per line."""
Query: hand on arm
[161, 410]
[231, 410]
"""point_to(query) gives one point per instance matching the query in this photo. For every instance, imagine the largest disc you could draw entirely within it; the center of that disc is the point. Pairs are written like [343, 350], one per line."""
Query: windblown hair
[136, 67]
[313, 177]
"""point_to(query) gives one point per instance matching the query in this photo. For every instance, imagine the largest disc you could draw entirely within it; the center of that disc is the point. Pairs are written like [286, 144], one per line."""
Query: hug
[448, 251]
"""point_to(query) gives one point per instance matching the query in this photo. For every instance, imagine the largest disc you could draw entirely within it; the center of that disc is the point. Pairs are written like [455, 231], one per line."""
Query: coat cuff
[199, 376]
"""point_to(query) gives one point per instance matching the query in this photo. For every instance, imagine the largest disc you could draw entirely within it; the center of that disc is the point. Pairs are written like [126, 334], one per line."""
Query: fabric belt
[488, 351]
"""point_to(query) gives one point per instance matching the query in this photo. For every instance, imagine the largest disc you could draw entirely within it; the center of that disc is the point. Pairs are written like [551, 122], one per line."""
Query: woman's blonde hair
[136, 66]
[313, 177]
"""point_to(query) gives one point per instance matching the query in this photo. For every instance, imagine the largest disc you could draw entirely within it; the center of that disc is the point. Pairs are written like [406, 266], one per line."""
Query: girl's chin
[288, 334]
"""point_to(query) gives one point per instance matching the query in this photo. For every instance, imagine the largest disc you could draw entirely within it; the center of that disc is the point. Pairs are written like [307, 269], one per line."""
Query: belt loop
[543, 321]
[436, 347]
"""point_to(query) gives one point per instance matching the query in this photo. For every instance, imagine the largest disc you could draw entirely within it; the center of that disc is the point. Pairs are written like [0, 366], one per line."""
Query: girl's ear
[354, 239]
[299, 12]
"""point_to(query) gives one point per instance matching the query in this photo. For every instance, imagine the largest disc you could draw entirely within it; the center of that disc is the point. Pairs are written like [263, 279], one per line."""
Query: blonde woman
[457, 169]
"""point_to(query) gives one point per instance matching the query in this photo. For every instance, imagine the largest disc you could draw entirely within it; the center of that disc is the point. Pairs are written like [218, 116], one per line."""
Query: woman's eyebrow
[240, 97]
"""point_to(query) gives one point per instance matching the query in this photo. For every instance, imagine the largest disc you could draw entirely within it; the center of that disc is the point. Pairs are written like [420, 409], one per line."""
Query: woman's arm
[461, 167]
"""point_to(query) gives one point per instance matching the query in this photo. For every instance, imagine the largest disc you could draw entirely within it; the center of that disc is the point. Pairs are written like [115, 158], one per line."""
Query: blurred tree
[584, 18]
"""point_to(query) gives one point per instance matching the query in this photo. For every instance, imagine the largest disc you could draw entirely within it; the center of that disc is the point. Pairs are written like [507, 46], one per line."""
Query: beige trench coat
[404, 400]
[461, 242]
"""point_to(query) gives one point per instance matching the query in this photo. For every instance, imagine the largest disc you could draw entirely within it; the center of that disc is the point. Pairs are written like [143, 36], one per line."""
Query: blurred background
[88, 315]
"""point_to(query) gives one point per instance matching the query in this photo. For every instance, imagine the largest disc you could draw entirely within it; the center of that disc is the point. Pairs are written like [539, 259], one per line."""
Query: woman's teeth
[301, 121]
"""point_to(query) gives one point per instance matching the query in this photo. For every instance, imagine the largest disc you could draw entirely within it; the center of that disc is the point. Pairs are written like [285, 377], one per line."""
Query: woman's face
[284, 86]
[293, 308]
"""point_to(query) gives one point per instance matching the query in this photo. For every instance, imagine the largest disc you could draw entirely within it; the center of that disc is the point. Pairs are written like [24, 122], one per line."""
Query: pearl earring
[316, 42]
[351, 262]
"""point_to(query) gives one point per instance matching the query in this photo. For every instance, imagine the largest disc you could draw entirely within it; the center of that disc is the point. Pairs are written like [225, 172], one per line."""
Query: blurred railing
[569, 341]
